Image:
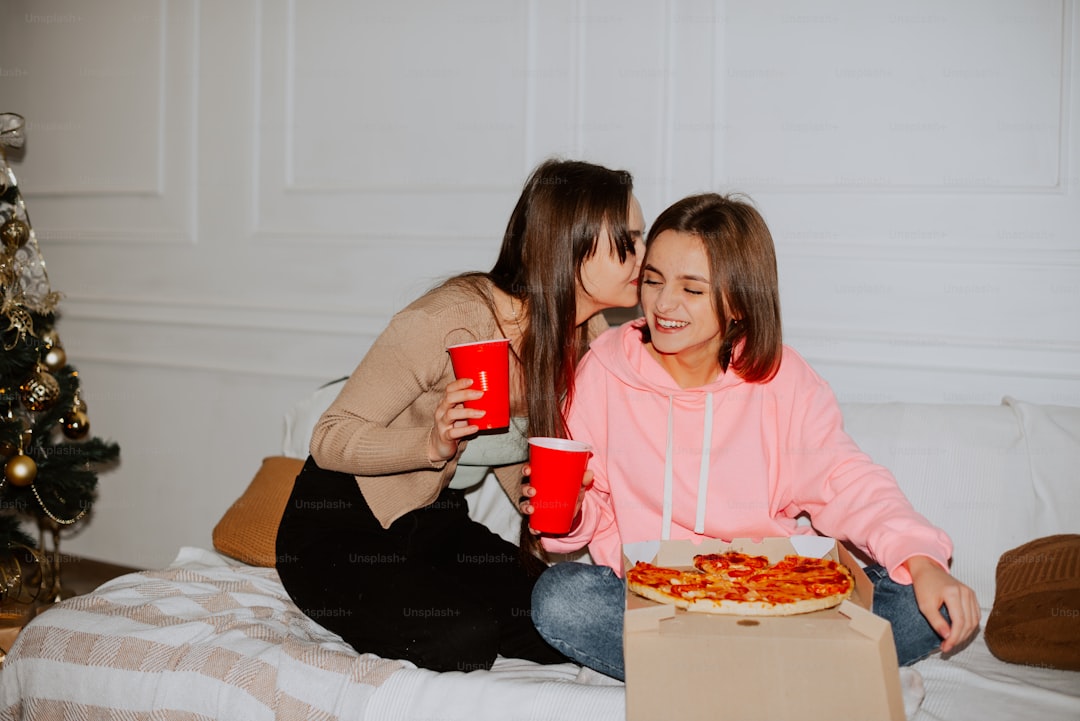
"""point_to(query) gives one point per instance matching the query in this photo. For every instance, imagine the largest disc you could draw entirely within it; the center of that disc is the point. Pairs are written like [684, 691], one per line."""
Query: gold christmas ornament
[40, 391]
[50, 338]
[76, 425]
[20, 470]
[15, 233]
[55, 359]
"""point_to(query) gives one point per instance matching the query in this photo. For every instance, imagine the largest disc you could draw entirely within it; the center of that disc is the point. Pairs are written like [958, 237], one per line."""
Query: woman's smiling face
[677, 300]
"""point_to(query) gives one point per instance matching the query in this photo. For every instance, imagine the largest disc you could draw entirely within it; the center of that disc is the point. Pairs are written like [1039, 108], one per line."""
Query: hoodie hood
[622, 351]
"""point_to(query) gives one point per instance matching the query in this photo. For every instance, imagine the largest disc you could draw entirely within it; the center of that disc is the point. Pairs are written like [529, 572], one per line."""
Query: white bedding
[973, 685]
[210, 638]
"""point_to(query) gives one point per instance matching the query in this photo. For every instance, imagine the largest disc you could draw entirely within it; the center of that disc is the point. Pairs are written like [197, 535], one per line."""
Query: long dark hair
[553, 229]
[742, 264]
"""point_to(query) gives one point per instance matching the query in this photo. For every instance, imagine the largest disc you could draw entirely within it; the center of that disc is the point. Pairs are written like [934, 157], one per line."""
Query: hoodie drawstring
[703, 470]
[665, 528]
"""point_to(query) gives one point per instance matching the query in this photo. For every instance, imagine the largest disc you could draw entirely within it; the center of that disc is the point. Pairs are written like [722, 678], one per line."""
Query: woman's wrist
[918, 565]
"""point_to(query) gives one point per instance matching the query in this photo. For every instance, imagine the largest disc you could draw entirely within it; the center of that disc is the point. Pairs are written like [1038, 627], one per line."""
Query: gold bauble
[15, 233]
[40, 391]
[55, 359]
[49, 337]
[20, 470]
[76, 425]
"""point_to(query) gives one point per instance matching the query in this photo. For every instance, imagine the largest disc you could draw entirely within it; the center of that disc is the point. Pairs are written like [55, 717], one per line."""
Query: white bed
[209, 637]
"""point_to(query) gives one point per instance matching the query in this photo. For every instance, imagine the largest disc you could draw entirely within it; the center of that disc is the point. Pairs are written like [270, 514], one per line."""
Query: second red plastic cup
[557, 466]
[487, 362]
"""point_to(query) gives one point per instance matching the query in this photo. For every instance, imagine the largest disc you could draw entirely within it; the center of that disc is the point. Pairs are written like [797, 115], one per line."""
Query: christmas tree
[50, 463]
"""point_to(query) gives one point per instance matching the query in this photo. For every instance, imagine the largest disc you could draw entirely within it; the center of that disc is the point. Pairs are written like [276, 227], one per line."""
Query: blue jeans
[578, 609]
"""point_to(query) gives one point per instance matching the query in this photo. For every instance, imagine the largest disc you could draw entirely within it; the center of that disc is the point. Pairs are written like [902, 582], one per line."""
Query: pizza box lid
[820, 665]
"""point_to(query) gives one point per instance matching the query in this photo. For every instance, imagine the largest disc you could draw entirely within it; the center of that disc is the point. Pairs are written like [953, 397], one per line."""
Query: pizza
[740, 584]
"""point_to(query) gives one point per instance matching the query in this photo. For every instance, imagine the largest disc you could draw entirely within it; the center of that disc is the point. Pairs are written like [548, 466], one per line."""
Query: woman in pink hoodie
[704, 425]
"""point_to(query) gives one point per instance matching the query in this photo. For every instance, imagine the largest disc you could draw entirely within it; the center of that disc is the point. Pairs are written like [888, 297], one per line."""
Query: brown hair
[553, 229]
[742, 264]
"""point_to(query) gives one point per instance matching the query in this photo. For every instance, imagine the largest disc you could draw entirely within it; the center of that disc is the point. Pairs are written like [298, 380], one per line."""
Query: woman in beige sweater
[375, 542]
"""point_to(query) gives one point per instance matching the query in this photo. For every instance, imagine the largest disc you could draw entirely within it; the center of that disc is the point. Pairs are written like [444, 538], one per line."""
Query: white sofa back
[993, 477]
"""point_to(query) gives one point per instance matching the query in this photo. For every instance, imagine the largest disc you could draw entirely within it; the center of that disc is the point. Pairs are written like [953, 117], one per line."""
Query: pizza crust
[759, 608]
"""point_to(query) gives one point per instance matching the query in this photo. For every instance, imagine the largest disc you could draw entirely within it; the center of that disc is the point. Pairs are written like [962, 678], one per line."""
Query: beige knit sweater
[378, 427]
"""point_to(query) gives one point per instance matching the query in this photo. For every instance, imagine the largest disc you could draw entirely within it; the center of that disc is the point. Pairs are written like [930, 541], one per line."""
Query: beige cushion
[248, 530]
[1035, 619]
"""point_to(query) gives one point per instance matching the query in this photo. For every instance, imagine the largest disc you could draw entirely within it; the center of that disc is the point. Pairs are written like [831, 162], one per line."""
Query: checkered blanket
[209, 638]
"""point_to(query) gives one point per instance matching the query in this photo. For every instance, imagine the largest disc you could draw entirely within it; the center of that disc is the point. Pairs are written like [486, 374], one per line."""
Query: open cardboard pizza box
[832, 664]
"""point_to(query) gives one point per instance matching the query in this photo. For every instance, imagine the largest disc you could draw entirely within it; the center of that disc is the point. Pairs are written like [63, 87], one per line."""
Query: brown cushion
[1035, 619]
[248, 530]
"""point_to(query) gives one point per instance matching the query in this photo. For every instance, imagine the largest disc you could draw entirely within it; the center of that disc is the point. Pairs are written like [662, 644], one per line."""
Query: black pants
[436, 588]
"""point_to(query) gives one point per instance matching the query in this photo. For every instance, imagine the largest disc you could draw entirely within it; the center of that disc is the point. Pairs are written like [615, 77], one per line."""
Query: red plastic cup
[487, 362]
[557, 466]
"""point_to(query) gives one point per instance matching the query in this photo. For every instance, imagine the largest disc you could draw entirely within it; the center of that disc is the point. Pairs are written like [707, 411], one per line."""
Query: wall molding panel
[861, 113]
[1047, 258]
[234, 198]
[124, 169]
[227, 339]
[392, 167]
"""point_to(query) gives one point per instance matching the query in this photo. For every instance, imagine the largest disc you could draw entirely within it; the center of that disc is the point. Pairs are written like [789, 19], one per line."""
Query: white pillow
[301, 419]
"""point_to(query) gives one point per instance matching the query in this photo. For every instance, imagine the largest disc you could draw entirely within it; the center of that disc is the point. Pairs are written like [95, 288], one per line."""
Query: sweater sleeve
[847, 495]
[381, 420]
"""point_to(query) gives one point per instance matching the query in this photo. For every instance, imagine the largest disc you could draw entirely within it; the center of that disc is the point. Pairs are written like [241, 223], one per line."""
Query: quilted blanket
[209, 638]
[202, 639]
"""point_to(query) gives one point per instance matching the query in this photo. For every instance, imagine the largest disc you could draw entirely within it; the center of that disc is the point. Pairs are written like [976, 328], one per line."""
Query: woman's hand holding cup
[561, 463]
[453, 421]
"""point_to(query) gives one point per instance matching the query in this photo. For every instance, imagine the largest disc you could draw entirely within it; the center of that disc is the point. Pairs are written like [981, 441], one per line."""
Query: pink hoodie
[727, 460]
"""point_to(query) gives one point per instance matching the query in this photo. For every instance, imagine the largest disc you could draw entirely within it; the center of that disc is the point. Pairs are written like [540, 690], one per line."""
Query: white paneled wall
[234, 197]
